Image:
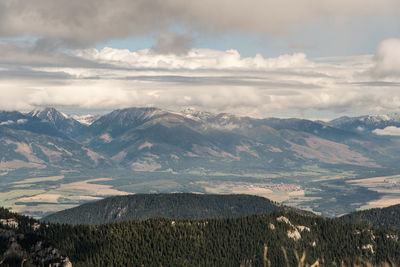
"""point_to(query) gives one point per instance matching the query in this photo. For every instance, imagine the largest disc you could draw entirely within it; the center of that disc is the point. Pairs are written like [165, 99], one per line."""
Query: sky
[264, 58]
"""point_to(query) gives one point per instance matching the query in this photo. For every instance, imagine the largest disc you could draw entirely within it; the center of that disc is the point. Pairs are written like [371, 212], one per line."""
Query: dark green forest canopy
[178, 205]
[225, 242]
[379, 217]
[283, 236]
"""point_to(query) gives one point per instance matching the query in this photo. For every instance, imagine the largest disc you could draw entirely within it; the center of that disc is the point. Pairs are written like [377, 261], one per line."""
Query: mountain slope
[179, 206]
[282, 238]
[379, 217]
[61, 122]
[23, 149]
[19, 121]
[150, 139]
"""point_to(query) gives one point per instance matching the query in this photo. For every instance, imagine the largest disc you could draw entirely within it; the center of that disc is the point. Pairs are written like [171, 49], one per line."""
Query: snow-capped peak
[194, 113]
[48, 114]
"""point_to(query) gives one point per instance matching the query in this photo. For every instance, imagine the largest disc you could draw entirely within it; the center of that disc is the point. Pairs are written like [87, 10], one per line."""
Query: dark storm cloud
[80, 23]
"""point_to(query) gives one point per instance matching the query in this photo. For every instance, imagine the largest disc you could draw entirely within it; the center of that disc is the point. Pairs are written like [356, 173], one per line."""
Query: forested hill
[177, 205]
[379, 217]
[282, 238]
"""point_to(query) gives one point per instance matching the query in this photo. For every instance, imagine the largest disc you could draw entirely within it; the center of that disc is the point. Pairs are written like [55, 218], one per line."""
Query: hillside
[282, 238]
[178, 206]
[378, 218]
[21, 245]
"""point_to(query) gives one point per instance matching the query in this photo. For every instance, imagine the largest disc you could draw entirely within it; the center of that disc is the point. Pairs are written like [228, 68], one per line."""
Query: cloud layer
[83, 23]
[213, 80]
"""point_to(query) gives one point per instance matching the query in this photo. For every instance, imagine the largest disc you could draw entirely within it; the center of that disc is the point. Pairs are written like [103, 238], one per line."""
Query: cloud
[9, 122]
[391, 130]
[83, 23]
[172, 43]
[387, 59]
[206, 79]
[195, 59]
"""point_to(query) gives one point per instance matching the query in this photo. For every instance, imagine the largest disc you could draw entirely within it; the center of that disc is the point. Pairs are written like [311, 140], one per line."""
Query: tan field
[388, 185]
[57, 197]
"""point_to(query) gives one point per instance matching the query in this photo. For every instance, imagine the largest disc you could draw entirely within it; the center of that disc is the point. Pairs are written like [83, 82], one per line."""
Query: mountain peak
[49, 114]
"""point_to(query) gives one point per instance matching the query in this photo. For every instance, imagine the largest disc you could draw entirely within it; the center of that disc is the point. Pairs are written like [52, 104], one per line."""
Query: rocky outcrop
[17, 248]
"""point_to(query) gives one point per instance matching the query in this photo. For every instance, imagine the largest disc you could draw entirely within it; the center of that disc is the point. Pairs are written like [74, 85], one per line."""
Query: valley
[50, 161]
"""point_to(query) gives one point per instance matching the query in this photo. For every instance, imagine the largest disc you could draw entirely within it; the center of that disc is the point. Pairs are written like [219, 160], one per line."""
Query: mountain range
[151, 139]
[308, 164]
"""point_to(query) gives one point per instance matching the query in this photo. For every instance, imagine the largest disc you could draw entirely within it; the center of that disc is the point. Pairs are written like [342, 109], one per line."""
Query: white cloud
[391, 130]
[22, 121]
[195, 59]
[212, 80]
[387, 58]
[9, 122]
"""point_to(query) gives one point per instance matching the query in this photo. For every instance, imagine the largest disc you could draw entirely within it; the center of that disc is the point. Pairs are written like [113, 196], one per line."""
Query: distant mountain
[22, 149]
[178, 206]
[61, 122]
[366, 124]
[379, 217]
[151, 139]
[19, 121]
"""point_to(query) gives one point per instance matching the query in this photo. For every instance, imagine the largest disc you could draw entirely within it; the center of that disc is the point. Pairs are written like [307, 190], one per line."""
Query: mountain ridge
[173, 205]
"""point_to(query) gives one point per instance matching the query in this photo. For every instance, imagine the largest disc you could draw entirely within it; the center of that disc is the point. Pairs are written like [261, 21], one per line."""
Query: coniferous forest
[281, 238]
